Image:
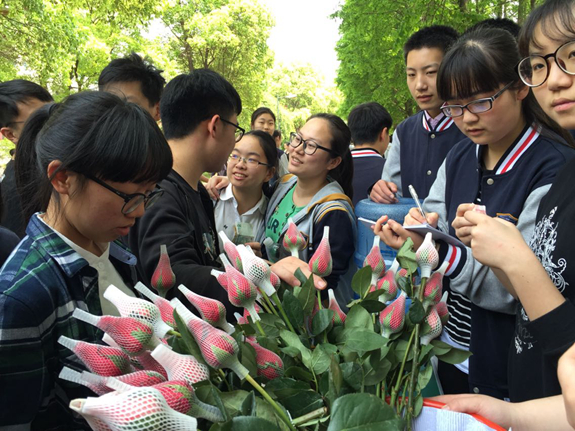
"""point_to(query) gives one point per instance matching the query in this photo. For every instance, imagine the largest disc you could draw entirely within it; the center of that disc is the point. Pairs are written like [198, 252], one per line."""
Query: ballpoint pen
[416, 199]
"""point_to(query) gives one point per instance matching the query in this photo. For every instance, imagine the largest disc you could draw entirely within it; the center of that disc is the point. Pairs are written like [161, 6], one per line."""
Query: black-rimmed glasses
[235, 158]
[478, 106]
[534, 70]
[309, 145]
[132, 201]
[239, 130]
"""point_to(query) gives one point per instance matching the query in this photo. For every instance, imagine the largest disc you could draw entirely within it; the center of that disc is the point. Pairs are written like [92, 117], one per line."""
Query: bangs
[557, 22]
[559, 29]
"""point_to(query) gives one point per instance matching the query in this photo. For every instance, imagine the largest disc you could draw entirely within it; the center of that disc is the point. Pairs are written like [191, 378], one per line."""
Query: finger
[432, 219]
[463, 208]
[378, 197]
[392, 187]
[475, 217]
[416, 215]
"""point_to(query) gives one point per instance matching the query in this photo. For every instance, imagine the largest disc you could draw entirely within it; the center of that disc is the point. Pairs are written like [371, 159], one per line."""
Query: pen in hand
[416, 199]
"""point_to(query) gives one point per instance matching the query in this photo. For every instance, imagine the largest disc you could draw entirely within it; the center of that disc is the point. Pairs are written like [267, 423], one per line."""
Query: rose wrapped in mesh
[135, 410]
[241, 291]
[166, 309]
[268, 363]
[321, 263]
[442, 312]
[426, 256]
[137, 308]
[163, 278]
[293, 239]
[221, 277]
[181, 367]
[211, 310]
[338, 315]
[431, 327]
[434, 287]
[232, 251]
[375, 261]
[143, 361]
[102, 360]
[132, 335]
[257, 271]
[392, 318]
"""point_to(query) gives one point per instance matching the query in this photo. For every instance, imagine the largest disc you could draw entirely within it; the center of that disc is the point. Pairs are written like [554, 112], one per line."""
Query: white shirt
[227, 216]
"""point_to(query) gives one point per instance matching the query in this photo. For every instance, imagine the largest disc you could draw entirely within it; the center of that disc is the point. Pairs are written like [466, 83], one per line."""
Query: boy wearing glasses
[421, 142]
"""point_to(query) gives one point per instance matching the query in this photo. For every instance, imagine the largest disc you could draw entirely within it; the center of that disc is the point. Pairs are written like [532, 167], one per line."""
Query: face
[132, 91]
[557, 94]
[498, 127]
[25, 109]
[318, 165]
[222, 145]
[421, 69]
[249, 175]
[265, 122]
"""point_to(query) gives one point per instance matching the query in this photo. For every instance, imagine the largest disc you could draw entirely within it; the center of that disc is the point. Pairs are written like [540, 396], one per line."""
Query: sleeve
[341, 240]
[392, 168]
[8, 242]
[166, 223]
[23, 369]
[555, 330]
[476, 281]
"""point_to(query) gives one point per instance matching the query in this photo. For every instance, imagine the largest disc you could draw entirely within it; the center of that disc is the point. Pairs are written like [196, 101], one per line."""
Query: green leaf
[321, 321]
[248, 358]
[247, 423]
[358, 317]
[298, 373]
[335, 379]
[290, 351]
[424, 376]
[302, 403]
[300, 276]
[188, 339]
[285, 387]
[363, 340]
[418, 405]
[219, 403]
[271, 324]
[320, 360]
[293, 340]
[440, 347]
[306, 296]
[363, 411]
[416, 311]
[372, 296]
[372, 306]
[406, 257]
[454, 356]
[248, 407]
[374, 375]
[293, 309]
[404, 283]
[352, 374]
[361, 281]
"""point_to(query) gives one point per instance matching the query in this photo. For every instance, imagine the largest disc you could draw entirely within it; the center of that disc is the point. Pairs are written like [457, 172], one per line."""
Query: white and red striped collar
[444, 124]
[514, 154]
[364, 152]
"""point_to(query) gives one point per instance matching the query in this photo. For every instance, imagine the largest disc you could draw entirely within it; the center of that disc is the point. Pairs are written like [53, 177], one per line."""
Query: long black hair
[340, 141]
[482, 61]
[92, 134]
[268, 146]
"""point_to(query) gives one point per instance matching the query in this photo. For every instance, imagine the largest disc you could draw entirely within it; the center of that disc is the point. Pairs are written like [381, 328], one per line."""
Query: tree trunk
[463, 5]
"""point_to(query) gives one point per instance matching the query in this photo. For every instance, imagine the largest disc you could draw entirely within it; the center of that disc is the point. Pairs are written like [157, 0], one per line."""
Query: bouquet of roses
[293, 361]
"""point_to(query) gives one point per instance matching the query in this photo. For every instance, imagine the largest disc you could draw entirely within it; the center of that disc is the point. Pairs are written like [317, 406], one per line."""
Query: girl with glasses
[242, 205]
[97, 160]
[317, 193]
[506, 165]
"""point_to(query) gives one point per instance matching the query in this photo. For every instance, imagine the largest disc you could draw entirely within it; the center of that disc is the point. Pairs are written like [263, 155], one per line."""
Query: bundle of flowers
[294, 361]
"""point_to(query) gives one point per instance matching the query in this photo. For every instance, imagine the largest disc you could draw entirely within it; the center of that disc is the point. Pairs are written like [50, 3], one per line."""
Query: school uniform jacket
[417, 151]
[511, 191]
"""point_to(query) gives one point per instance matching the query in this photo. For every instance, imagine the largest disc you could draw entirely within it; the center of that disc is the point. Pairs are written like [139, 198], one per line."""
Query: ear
[270, 174]
[214, 125]
[9, 134]
[156, 110]
[333, 163]
[522, 92]
[384, 135]
[60, 179]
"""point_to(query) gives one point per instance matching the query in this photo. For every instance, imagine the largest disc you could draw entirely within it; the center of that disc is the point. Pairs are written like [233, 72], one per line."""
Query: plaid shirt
[40, 286]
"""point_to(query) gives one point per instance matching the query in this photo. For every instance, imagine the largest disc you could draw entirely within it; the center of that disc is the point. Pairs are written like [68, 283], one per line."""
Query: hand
[498, 411]
[394, 235]
[461, 225]
[286, 267]
[495, 242]
[215, 184]
[256, 248]
[383, 192]
[414, 217]
[566, 374]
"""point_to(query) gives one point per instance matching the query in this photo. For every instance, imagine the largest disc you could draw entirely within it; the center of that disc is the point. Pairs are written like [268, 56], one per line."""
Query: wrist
[518, 259]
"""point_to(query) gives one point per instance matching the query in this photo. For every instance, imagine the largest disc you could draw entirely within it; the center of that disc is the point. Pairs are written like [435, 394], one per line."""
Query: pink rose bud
[375, 261]
[338, 315]
[257, 271]
[163, 278]
[392, 318]
[481, 209]
[181, 367]
[241, 291]
[221, 277]
[232, 251]
[431, 327]
[137, 410]
[147, 362]
[442, 311]
[293, 239]
[276, 282]
[132, 335]
[387, 287]
[241, 319]
[102, 360]
[137, 308]
[219, 349]
[402, 273]
[427, 256]
[269, 364]
[211, 310]
[433, 290]
[321, 263]
[166, 309]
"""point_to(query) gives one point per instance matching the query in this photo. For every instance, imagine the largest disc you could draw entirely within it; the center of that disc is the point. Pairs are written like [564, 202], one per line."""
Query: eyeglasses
[239, 130]
[133, 201]
[478, 106]
[309, 145]
[236, 158]
[534, 70]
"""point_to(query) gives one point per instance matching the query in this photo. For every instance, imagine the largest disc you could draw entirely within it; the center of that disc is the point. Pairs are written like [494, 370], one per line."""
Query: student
[199, 116]
[18, 100]
[70, 254]
[263, 119]
[242, 205]
[421, 142]
[317, 194]
[369, 124]
[507, 164]
[137, 80]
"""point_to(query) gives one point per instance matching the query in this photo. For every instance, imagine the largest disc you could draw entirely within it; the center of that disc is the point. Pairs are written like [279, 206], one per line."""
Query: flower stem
[310, 416]
[318, 300]
[395, 389]
[269, 399]
[270, 305]
[223, 376]
[176, 333]
[257, 322]
[282, 312]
